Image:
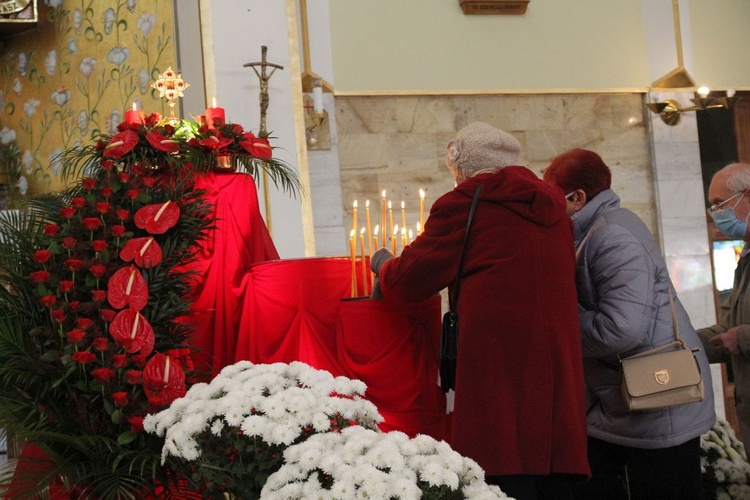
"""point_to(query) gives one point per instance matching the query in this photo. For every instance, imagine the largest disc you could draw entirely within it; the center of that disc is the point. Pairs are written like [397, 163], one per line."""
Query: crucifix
[263, 76]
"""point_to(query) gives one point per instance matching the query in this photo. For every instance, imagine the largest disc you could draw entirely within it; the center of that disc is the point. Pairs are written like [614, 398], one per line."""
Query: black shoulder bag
[449, 338]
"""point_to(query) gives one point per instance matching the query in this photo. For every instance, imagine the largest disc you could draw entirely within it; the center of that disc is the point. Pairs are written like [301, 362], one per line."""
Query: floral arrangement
[229, 435]
[726, 471]
[362, 463]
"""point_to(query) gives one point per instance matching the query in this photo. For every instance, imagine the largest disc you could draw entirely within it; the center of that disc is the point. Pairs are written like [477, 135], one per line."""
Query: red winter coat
[519, 406]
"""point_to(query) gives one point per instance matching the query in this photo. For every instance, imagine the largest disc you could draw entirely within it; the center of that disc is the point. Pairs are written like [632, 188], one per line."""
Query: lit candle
[354, 215]
[215, 116]
[375, 236]
[403, 214]
[364, 262]
[382, 220]
[403, 238]
[353, 256]
[133, 116]
[390, 216]
[421, 210]
[411, 236]
[394, 235]
[369, 228]
[419, 228]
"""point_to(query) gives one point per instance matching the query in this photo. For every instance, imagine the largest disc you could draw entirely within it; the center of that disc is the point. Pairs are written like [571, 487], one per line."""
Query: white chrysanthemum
[217, 427]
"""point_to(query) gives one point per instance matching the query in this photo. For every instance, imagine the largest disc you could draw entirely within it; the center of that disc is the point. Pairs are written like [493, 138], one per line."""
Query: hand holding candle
[215, 116]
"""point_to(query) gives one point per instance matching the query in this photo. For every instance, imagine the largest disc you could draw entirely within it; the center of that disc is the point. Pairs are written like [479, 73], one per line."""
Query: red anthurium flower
[103, 207]
[146, 252]
[119, 360]
[41, 256]
[48, 300]
[39, 276]
[68, 242]
[84, 323]
[79, 201]
[121, 144]
[215, 142]
[75, 336]
[92, 223]
[163, 380]
[66, 286]
[67, 212]
[118, 230]
[132, 332]
[58, 315]
[136, 424]
[99, 245]
[88, 184]
[120, 399]
[157, 218]
[97, 270]
[73, 264]
[102, 375]
[107, 315]
[51, 230]
[162, 143]
[256, 146]
[98, 295]
[134, 376]
[127, 287]
[100, 343]
[84, 357]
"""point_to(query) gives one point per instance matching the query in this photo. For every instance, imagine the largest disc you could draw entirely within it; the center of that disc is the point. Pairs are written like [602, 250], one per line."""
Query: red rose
[75, 336]
[84, 323]
[123, 177]
[120, 398]
[99, 245]
[88, 184]
[92, 223]
[42, 256]
[153, 119]
[99, 145]
[136, 424]
[134, 376]
[73, 264]
[118, 230]
[39, 276]
[107, 165]
[58, 315]
[119, 360]
[148, 181]
[131, 194]
[67, 212]
[73, 305]
[48, 300]
[102, 375]
[237, 129]
[103, 207]
[68, 242]
[107, 315]
[66, 286]
[97, 270]
[100, 343]
[98, 295]
[51, 230]
[79, 201]
[84, 357]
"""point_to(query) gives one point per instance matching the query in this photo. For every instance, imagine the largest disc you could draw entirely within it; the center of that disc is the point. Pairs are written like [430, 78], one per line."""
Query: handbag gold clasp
[662, 377]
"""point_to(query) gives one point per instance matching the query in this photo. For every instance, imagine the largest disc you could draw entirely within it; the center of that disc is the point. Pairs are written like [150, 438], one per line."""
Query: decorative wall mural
[74, 78]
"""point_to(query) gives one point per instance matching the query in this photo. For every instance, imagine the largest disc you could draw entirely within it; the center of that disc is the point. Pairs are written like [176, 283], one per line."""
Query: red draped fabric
[239, 240]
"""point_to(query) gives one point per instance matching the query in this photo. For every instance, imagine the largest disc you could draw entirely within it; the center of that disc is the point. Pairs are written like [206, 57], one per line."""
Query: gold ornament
[170, 86]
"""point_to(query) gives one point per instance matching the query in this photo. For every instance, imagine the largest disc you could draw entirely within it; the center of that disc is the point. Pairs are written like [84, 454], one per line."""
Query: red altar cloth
[239, 240]
[298, 310]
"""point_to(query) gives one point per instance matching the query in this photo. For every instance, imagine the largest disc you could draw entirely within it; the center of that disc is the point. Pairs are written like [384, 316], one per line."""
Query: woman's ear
[579, 199]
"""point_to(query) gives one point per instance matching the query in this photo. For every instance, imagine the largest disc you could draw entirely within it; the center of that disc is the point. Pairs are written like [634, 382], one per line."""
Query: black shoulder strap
[454, 299]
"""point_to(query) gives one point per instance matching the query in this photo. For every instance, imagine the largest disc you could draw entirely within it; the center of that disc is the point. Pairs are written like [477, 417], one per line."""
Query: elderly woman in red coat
[519, 400]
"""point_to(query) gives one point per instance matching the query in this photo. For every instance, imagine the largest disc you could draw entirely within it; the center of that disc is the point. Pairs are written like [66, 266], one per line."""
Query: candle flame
[403, 204]
[355, 203]
[367, 203]
[362, 232]
[389, 205]
[419, 227]
[377, 227]
[411, 234]
[421, 193]
[213, 102]
[351, 234]
[135, 108]
[395, 230]
[383, 194]
[403, 231]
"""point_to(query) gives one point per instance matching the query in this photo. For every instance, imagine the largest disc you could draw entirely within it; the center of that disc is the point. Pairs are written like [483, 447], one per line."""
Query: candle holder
[225, 163]
[170, 86]
[317, 126]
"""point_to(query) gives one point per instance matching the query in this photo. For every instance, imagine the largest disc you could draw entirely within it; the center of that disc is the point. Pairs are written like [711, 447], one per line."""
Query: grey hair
[738, 179]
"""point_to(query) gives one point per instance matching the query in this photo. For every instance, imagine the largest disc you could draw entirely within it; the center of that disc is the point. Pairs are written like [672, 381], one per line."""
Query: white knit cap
[479, 146]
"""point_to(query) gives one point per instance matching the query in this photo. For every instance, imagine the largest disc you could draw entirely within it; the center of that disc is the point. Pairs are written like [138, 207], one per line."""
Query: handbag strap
[452, 301]
[675, 328]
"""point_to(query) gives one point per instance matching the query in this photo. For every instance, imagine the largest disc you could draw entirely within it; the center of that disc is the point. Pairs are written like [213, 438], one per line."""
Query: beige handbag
[665, 376]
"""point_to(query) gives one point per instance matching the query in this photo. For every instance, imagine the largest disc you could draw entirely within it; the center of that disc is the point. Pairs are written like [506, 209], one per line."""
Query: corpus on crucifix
[263, 75]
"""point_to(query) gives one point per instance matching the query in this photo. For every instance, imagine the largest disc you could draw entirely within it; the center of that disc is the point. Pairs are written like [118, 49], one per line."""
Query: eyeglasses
[717, 207]
[567, 196]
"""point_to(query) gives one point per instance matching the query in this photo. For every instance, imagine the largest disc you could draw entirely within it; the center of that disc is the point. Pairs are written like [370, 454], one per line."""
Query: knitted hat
[478, 146]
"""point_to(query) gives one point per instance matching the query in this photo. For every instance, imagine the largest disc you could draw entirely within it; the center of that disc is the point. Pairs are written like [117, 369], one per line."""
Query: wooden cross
[264, 76]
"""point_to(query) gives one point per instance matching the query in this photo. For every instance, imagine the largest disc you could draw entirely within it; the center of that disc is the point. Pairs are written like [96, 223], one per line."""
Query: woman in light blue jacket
[623, 294]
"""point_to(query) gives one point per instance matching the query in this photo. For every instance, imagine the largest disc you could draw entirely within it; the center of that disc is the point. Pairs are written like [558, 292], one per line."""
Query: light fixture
[671, 112]
[317, 126]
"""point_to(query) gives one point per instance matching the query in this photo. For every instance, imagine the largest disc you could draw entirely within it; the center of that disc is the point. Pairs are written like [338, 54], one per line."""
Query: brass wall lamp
[671, 112]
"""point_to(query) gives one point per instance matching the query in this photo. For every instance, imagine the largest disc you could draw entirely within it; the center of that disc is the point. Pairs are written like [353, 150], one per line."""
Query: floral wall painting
[72, 79]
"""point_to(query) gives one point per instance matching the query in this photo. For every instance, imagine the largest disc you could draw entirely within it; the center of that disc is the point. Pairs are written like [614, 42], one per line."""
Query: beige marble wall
[398, 143]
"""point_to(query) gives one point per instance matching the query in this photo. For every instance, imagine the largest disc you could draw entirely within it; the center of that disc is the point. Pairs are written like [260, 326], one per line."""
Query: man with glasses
[729, 340]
